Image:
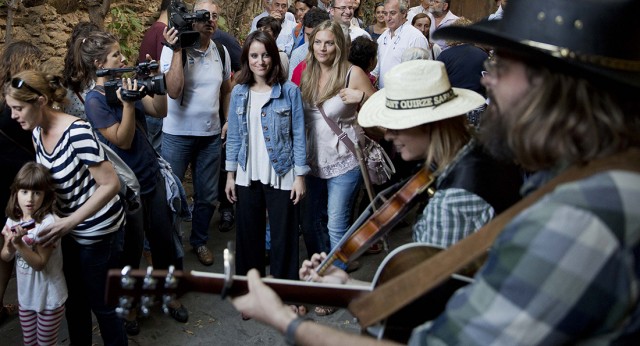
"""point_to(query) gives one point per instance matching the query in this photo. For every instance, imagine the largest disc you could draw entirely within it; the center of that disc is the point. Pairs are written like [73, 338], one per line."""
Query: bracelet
[362, 99]
[290, 334]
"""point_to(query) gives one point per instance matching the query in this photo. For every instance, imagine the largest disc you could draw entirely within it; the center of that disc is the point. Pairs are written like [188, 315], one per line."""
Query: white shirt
[203, 76]
[390, 49]
[418, 9]
[497, 15]
[356, 31]
[448, 19]
[45, 289]
[285, 39]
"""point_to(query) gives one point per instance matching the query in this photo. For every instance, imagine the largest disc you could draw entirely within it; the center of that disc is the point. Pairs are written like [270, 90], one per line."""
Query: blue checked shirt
[564, 271]
[451, 213]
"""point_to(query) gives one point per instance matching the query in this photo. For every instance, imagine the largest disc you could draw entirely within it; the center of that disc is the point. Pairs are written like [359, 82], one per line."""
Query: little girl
[42, 290]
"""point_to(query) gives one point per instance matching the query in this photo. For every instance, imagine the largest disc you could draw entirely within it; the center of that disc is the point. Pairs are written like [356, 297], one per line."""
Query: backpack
[129, 185]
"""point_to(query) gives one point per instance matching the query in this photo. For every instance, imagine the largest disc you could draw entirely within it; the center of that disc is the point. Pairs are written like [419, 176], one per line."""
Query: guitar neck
[290, 290]
[204, 282]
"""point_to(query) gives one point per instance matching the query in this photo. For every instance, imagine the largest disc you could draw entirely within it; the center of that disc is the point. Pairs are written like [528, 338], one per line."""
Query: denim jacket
[283, 129]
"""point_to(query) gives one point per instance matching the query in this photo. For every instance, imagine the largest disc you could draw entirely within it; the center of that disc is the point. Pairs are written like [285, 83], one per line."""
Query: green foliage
[127, 26]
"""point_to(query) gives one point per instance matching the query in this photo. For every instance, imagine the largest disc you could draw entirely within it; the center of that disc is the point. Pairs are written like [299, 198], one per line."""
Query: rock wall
[48, 23]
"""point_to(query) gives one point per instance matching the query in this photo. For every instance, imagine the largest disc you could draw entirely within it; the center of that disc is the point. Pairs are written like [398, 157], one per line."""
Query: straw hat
[598, 40]
[416, 92]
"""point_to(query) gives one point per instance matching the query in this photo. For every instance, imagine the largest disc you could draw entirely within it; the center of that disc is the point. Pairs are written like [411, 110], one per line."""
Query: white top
[203, 76]
[390, 49]
[288, 16]
[45, 289]
[259, 166]
[448, 19]
[327, 155]
[418, 9]
[285, 39]
[356, 31]
[284, 62]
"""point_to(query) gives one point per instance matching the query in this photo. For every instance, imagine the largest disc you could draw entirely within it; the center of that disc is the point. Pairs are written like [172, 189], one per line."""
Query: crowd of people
[493, 111]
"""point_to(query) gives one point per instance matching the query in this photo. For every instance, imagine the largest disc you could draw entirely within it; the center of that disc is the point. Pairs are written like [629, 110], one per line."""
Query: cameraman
[198, 87]
[121, 125]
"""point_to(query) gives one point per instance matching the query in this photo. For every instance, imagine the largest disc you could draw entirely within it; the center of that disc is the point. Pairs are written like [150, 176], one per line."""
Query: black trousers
[253, 203]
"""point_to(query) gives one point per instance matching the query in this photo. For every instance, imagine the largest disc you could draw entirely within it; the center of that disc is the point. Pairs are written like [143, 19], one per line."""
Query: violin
[358, 239]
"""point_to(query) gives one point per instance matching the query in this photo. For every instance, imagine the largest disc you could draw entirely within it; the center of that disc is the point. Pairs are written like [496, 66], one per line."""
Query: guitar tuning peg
[126, 281]
[170, 281]
[145, 305]
[124, 306]
[166, 300]
[149, 283]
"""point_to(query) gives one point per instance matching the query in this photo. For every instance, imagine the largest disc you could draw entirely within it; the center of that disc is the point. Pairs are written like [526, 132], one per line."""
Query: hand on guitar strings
[263, 304]
[333, 275]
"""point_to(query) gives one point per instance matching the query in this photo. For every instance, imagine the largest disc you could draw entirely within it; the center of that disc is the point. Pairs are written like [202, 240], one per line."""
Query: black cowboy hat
[595, 39]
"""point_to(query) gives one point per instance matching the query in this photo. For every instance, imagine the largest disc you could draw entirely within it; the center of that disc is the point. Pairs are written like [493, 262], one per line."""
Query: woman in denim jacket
[266, 159]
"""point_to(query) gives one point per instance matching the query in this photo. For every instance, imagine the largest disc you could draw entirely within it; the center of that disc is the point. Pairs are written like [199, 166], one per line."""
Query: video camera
[181, 19]
[155, 85]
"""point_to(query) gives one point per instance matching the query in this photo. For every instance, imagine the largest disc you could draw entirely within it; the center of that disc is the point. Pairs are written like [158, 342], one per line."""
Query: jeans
[85, 270]
[158, 226]
[204, 155]
[332, 199]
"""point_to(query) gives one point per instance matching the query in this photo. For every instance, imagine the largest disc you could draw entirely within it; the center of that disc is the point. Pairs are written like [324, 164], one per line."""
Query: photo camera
[181, 19]
[155, 85]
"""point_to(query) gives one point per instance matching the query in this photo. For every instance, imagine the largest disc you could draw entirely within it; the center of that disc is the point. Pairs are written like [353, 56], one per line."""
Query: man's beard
[435, 13]
[494, 131]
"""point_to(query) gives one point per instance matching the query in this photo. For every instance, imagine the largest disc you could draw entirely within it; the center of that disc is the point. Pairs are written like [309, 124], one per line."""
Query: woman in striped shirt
[86, 186]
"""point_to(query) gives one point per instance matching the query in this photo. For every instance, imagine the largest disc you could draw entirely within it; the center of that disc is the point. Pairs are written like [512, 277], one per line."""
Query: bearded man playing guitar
[564, 269]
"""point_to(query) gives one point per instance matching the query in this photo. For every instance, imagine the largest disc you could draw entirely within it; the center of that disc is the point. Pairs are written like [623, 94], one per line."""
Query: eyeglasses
[344, 8]
[19, 83]
[494, 68]
[396, 39]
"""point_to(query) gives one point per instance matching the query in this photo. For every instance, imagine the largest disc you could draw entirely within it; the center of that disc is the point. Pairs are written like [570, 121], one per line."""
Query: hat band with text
[422, 102]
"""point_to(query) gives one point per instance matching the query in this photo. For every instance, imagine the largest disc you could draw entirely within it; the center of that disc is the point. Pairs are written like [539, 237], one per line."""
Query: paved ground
[212, 321]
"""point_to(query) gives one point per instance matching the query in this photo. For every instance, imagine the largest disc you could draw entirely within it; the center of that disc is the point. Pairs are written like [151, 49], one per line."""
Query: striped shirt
[69, 163]
[564, 271]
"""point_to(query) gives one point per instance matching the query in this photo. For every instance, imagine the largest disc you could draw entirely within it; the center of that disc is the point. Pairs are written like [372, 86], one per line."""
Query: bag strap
[410, 285]
[79, 97]
[336, 129]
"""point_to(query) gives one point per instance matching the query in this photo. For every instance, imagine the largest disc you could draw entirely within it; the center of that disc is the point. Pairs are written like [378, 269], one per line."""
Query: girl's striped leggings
[41, 328]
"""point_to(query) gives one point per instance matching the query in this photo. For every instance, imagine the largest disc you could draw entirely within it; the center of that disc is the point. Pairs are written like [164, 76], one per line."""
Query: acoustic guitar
[126, 286]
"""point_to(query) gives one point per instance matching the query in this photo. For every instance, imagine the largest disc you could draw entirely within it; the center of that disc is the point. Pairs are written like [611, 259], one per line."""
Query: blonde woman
[332, 84]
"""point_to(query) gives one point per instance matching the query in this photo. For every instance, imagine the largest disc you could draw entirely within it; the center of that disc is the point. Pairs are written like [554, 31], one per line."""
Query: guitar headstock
[126, 286]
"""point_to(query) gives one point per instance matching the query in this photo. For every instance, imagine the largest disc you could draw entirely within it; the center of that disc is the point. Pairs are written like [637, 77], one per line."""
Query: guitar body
[398, 327]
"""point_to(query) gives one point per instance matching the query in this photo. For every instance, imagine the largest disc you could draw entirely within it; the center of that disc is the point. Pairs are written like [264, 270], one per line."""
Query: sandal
[325, 310]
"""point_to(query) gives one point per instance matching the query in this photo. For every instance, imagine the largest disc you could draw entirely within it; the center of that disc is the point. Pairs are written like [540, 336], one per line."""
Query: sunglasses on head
[19, 83]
